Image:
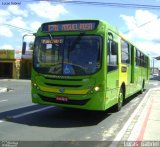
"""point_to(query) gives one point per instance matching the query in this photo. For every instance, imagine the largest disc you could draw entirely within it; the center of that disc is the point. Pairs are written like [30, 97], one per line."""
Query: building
[154, 71]
[26, 65]
[13, 65]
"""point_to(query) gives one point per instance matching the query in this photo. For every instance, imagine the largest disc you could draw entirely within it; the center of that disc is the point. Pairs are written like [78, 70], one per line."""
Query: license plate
[62, 98]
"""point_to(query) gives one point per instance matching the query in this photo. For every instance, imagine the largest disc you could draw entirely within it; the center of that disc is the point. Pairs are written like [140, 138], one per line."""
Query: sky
[141, 26]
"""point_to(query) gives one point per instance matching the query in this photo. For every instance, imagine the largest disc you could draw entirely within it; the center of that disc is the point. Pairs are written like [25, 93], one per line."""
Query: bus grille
[64, 79]
[60, 85]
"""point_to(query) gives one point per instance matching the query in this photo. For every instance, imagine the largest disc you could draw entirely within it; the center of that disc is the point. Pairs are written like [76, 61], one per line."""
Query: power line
[142, 25]
[23, 29]
[105, 4]
[102, 4]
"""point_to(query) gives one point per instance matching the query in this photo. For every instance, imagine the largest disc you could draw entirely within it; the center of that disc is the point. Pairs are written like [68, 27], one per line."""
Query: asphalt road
[21, 120]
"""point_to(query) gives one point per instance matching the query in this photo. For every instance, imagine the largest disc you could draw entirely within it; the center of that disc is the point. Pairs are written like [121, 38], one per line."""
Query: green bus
[85, 64]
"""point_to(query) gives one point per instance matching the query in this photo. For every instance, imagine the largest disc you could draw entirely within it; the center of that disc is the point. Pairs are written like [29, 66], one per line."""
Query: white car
[155, 74]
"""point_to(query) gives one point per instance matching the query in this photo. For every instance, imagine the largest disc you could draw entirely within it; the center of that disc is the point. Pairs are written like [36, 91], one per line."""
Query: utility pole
[153, 66]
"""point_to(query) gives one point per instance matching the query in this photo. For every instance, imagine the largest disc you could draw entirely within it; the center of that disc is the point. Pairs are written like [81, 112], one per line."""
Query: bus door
[112, 66]
[132, 65]
[125, 66]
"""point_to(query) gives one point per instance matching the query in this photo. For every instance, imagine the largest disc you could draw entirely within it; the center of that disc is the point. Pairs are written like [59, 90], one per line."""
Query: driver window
[112, 53]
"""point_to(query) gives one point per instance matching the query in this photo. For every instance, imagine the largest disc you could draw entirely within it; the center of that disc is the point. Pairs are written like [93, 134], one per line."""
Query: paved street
[21, 120]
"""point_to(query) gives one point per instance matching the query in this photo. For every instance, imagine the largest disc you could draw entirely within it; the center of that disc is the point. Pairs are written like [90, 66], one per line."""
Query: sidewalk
[143, 126]
[147, 127]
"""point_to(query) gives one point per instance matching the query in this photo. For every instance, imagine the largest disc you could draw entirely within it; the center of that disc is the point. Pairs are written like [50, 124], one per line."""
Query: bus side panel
[129, 85]
[132, 82]
[112, 89]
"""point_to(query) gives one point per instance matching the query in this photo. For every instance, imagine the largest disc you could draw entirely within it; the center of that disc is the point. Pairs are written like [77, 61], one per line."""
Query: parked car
[155, 74]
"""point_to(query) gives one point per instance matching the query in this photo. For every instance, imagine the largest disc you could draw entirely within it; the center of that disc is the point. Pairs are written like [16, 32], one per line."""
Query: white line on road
[31, 112]
[3, 101]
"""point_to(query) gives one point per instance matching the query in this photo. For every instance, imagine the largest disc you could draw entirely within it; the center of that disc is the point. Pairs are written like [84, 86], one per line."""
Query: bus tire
[142, 89]
[120, 100]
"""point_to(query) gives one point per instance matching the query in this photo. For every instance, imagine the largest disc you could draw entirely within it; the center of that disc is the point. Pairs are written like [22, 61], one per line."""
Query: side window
[142, 60]
[125, 52]
[138, 56]
[145, 61]
[112, 53]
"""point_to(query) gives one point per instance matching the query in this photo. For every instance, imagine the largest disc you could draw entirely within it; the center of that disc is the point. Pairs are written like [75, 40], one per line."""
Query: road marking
[1, 121]
[31, 112]
[126, 125]
[3, 101]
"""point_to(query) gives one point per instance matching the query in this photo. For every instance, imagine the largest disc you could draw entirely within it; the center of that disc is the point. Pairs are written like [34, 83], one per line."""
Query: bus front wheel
[120, 100]
[142, 89]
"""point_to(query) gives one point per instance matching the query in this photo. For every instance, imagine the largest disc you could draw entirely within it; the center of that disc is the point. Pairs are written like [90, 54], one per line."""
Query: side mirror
[24, 48]
[24, 45]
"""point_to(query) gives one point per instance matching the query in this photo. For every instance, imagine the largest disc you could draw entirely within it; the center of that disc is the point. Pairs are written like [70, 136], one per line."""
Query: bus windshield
[67, 55]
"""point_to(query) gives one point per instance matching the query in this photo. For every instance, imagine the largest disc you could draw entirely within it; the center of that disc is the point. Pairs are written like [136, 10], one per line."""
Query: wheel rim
[120, 100]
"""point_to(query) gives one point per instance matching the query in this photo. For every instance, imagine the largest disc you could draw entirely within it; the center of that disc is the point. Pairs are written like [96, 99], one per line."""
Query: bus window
[125, 52]
[112, 55]
[138, 56]
[142, 60]
[145, 61]
[81, 55]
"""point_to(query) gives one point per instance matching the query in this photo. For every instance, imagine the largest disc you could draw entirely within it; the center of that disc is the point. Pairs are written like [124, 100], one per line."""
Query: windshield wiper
[50, 36]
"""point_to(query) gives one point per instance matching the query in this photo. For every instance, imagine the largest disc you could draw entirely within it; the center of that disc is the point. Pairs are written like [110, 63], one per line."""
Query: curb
[139, 132]
[133, 115]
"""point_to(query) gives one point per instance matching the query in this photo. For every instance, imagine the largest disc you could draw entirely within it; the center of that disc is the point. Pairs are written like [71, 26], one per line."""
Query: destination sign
[52, 41]
[69, 26]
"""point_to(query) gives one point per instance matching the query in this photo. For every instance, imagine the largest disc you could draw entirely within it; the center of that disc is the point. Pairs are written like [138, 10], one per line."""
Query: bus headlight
[97, 88]
[35, 86]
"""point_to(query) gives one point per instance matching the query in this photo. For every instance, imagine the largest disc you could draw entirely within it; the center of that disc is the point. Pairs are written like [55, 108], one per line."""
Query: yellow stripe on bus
[67, 91]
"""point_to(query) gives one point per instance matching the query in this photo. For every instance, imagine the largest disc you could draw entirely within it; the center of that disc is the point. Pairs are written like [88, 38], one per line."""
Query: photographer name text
[11, 3]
